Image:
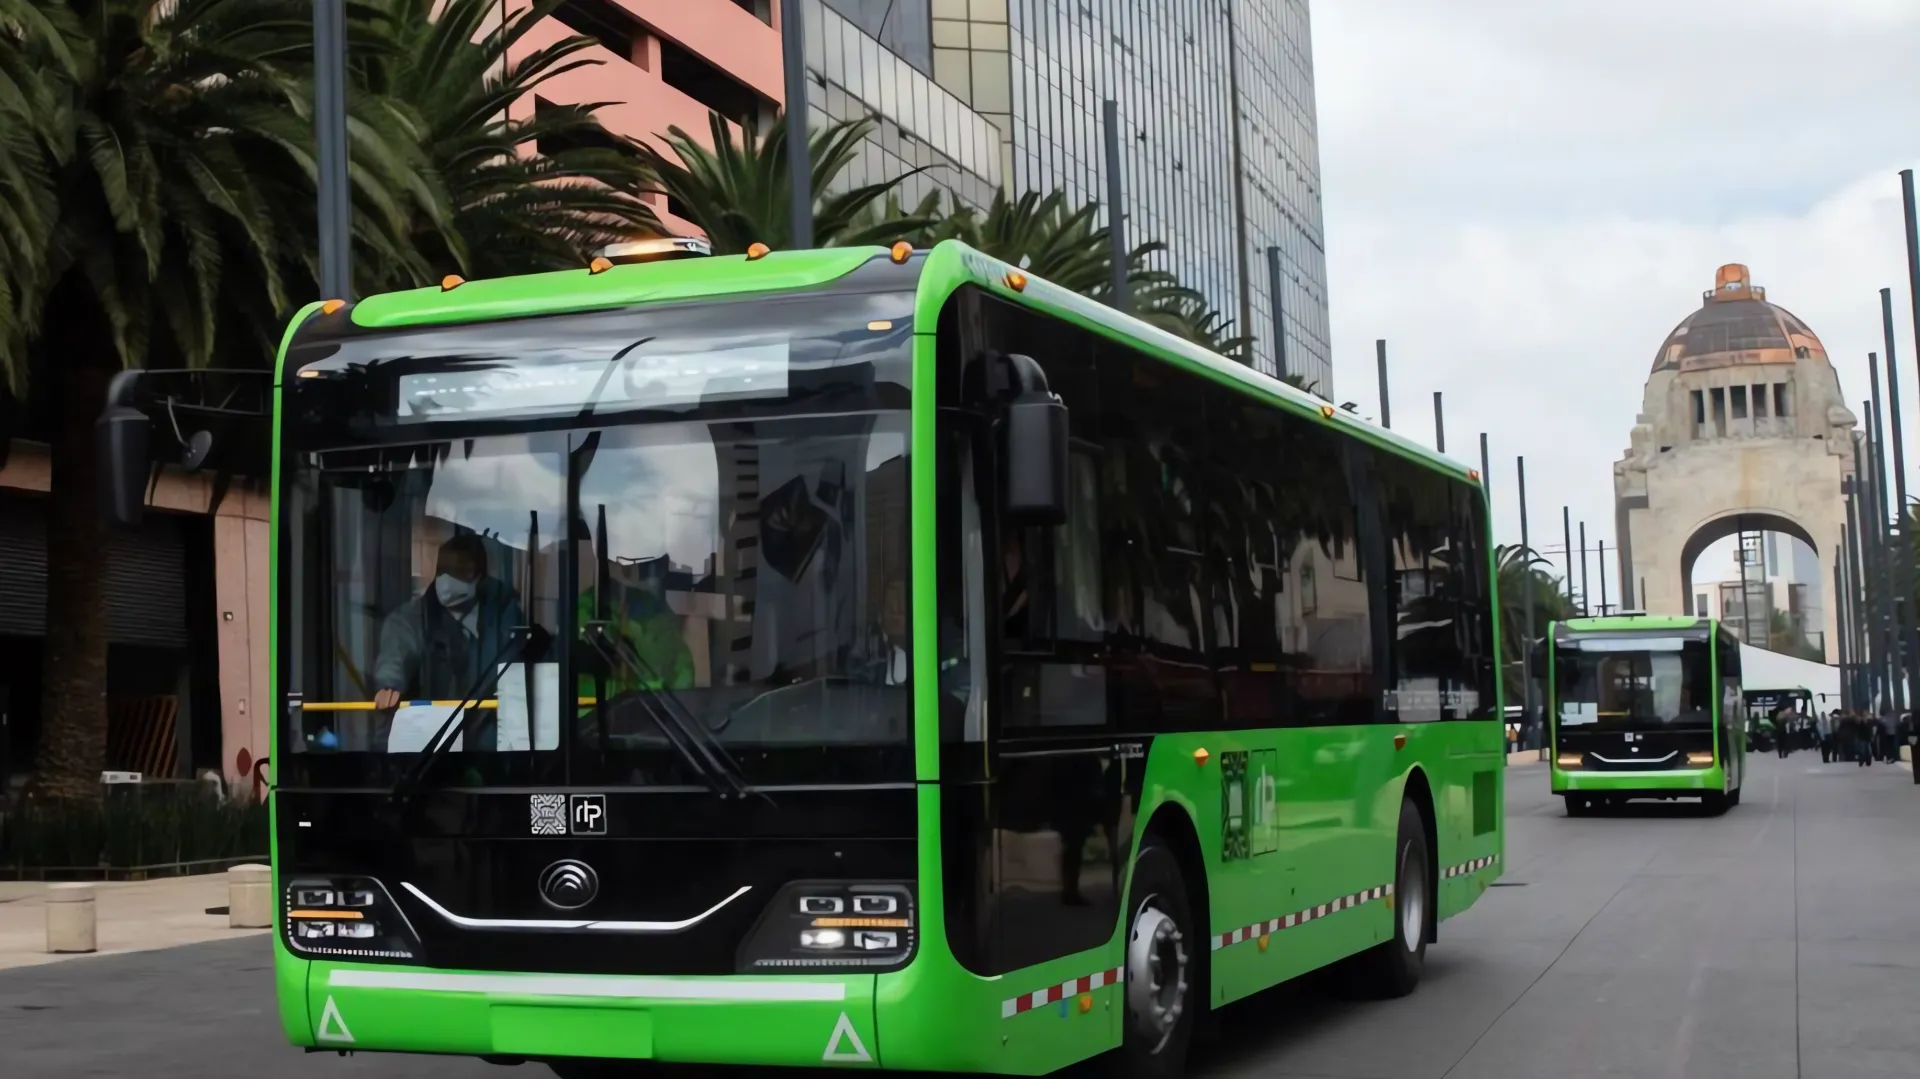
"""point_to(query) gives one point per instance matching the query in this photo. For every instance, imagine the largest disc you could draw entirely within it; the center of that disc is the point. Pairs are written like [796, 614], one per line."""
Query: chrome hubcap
[1413, 902]
[1156, 974]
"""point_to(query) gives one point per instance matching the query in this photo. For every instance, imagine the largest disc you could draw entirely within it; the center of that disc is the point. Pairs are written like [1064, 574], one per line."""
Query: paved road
[1780, 940]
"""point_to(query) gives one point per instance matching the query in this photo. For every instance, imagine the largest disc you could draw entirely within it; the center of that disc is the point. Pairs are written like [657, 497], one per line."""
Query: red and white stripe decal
[1474, 866]
[1052, 994]
[1300, 917]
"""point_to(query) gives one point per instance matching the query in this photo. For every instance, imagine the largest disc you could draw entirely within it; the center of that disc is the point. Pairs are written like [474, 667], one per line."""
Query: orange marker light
[1200, 757]
[451, 281]
[1016, 280]
[331, 306]
[1326, 412]
[1086, 1003]
[1399, 741]
[1473, 474]
[757, 251]
[901, 251]
[600, 265]
[1264, 940]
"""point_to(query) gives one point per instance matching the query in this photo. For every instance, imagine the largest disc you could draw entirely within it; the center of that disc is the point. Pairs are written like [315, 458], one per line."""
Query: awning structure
[1761, 670]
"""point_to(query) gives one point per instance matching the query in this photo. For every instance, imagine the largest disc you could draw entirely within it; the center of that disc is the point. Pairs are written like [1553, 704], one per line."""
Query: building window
[603, 21]
[1780, 403]
[1739, 394]
[693, 76]
[1760, 402]
[1699, 412]
[1719, 412]
[759, 9]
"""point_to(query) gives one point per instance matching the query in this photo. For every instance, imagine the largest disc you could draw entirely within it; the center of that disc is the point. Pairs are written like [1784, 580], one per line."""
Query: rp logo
[588, 813]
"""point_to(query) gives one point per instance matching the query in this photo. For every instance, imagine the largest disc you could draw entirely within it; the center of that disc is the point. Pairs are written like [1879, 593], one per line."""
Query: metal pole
[1439, 425]
[330, 145]
[1116, 206]
[1278, 304]
[1386, 401]
[1889, 575]
[1856, 591]
[1583, 568]
[1239, 165]
[793, 55]
[1604, 605]
[1486, 470]
[1526, 579]
[1746, 594]
[1903, 551]
[1566, 542]
[1840, 631]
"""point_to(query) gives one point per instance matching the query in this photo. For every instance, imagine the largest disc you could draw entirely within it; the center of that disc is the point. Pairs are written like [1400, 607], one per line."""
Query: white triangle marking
[844, 1029]
[338, 1031]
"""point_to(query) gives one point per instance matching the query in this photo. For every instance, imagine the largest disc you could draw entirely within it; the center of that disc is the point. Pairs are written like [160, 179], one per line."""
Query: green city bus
[1644, 707]
[958, 674]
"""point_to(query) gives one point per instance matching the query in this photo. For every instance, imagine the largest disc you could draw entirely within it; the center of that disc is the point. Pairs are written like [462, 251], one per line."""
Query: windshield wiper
[683, 731]
[520, 641]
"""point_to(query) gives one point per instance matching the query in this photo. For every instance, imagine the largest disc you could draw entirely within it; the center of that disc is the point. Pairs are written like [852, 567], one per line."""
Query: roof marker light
[1473, 474]
[757, 251]
[600, 264]
[901, 251]
[1016, 280]
[451, 281]
[1326, 412]
[331, 306]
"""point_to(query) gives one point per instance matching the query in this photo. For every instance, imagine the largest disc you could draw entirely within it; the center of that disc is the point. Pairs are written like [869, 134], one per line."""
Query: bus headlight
[1569, 760]
[1700, 759]
[346, 916]
[823, 926]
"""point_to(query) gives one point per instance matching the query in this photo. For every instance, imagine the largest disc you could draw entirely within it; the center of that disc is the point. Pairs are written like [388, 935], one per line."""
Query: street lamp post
[1566, 544]
[793, 56]
[1526, 590]
[1889, 575]
[1116, 202]
[1439, 425]
[1903, 552]
[1386, 400]
[330, 145]
[1279, 306]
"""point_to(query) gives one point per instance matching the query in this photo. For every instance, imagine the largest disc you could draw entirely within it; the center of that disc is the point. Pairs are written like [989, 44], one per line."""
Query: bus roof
[948, 266]
[1620, 623]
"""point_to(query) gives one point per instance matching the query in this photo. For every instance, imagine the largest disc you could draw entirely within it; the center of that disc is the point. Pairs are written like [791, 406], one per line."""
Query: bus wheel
[1393, 969]
[1714, 802]
[1161, 970]
[1733, 797]
[1577, 805]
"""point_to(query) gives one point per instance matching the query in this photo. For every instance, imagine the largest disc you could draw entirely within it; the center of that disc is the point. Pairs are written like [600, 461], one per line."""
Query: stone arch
[1729, 522]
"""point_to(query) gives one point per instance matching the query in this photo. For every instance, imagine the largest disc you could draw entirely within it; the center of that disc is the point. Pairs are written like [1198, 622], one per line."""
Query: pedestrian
[1824, 730]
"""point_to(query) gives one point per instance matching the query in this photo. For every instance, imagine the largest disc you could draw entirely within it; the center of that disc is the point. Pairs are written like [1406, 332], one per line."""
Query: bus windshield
[586, 586]
[1633, 684]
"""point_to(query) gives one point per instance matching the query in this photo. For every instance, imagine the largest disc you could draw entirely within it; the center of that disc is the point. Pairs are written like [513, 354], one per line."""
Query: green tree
[173, 151]
[540, 192]
[737, 192]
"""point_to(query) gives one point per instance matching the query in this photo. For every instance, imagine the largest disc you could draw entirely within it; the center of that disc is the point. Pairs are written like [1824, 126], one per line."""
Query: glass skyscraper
[1220, 155]
[1220, 151]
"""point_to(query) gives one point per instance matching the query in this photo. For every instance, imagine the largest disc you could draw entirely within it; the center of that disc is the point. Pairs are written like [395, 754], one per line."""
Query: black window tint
[1052, 578]
[1473, 617]
[1244, 555]
[1426, 669]
[1151, 441]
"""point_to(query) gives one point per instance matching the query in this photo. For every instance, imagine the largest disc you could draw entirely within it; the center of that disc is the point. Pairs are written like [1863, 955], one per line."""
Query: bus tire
[1393, 969]
[1733, 797]
[1577, 805]
[1163, 951]
[1714, 802]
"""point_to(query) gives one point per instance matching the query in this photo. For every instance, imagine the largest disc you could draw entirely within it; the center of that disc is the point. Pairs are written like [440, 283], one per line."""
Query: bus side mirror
[121, 439]
[1036, 459]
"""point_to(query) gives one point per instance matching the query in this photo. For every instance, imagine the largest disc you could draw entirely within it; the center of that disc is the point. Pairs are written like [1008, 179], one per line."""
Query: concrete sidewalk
[132, 916]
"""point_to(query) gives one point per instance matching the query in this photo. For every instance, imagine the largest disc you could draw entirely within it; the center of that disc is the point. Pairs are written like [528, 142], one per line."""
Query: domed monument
[1743, 428]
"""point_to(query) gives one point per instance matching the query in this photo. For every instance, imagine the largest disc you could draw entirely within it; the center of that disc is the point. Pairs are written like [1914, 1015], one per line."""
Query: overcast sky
[1525, 196]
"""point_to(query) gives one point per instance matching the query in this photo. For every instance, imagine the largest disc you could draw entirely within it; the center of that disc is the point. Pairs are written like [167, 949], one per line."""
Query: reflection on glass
[758, 571]
[1641, 689]
[433, 552]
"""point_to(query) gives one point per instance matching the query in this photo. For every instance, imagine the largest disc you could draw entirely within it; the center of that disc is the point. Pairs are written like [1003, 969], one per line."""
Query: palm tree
[738, 191]
[177, 146]
[1516, 564]
[538, 193]
[33, 57]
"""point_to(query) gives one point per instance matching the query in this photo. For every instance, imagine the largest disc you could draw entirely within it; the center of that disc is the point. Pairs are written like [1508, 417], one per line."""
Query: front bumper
[790, 1020]
[1677, 780]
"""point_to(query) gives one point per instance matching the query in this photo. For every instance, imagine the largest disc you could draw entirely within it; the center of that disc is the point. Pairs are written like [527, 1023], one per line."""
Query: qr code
[549, 812]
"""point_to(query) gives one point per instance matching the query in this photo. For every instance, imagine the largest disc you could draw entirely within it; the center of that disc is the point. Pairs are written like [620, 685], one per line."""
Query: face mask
[453, 591]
